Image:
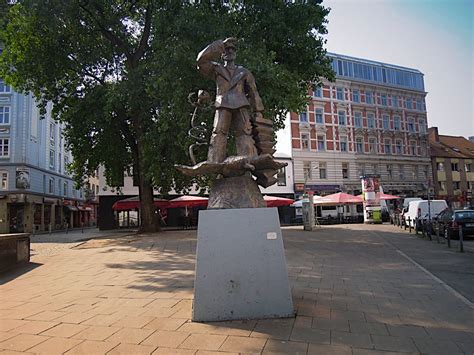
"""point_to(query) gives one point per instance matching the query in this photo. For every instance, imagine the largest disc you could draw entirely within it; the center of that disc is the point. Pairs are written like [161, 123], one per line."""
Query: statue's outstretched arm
[205, 58]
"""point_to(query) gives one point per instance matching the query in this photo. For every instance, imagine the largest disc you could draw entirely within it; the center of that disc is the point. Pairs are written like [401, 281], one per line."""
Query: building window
[60, 160]
[422, 126]
[359, 145]
[372, 146]
[398, 147]
[4, 180]
[386, 122]
[456, 185]
[343, 143]
[51, 186]
[411, 125]
[468, 167]
[442, 185]
[375, 169]
[440, 166]
[454, 167]
[358, 119]
[51, 159]
[4, 88]
[419, 104]
[342, 117]
[4, 147]
[390, 171]
[4, 115]
[395, 101]
[396, 123]
[281, 177]
[322, 170]
[369, 98]
[387, 146]
[66, 188]
[307, 170]
[401, 172]
[303, 116]
[339, 94]
[409, 103]
[321, 143]
[413, 148]
[52, 133]
[305, 141]
[355, 96]
[370, 120]
[345, 170]
[383, 98]
[66, 162]
[319, 115]
[318, 92]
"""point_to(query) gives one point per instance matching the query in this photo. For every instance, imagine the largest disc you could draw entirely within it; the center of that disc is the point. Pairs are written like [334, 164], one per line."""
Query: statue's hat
[230, 43]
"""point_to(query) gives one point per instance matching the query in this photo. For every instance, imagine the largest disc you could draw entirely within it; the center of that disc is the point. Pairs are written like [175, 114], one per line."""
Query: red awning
[273, 201]
[339, 198]
[134, 203]
[188, 201]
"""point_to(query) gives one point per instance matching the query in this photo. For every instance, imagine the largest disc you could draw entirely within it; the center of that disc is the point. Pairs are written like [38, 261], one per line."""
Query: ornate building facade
[371, 120]
[36, 192]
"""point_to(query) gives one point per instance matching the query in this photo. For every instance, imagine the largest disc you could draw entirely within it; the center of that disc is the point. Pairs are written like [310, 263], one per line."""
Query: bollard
[437, 231]
[409, 226]
[461, 241]
[405, 225]
[82, 227]
[416, 226]
[428, 229]
[423, 228]
[449, 238]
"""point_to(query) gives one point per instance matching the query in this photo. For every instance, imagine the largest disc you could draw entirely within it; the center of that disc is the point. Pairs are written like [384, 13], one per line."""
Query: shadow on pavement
[12, 274]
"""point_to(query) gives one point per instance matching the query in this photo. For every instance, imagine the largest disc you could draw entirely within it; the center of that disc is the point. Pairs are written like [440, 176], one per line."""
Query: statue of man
[236, 97]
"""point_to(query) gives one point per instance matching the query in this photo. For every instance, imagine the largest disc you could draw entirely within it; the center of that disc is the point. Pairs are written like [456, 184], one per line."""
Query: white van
[420, 209]
[407, 200]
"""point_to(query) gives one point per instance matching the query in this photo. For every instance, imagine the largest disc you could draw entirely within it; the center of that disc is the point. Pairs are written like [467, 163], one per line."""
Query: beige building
[372, 120]
[452, 160]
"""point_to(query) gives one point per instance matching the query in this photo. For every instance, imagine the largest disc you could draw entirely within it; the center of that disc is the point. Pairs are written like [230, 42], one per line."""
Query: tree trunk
[147, 207]
[148, 214]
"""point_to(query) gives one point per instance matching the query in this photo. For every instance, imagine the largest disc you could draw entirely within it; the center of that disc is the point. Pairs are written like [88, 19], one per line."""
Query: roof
[373, 62]
[452, 147]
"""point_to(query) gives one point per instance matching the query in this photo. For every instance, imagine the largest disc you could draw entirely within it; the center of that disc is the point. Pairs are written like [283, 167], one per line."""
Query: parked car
[449, 222]
[423, 211]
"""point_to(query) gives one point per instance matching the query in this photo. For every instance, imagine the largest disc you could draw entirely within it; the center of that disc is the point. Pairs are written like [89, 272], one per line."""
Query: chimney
[433, 134]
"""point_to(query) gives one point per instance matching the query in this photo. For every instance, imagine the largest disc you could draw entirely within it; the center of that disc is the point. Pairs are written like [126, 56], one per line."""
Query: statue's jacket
[233, 91]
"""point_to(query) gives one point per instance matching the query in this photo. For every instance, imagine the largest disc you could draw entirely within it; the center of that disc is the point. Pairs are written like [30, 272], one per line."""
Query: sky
[433, 36]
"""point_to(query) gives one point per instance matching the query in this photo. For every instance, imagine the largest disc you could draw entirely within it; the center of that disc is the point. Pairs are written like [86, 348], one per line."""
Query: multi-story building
[371, 120]
[36, 192]
[452, 160]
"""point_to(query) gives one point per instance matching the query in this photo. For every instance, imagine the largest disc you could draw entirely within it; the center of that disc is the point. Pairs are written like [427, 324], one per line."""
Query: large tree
[118, 73]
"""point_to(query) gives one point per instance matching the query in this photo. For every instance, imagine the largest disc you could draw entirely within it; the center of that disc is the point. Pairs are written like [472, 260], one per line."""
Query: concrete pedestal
[240, 267]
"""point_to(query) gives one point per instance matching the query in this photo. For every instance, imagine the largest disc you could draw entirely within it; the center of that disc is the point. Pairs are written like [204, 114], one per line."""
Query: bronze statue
[238, 108]
[236, 94]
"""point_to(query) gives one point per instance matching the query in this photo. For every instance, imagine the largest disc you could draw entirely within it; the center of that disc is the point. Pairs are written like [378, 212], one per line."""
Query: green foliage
[119, 72]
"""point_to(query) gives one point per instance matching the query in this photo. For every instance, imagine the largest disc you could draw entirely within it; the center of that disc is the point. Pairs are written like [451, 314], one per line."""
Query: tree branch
[107, 33]
[146, 34]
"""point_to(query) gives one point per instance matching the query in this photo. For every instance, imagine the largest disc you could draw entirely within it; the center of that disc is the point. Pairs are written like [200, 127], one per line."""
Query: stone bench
[14, 250]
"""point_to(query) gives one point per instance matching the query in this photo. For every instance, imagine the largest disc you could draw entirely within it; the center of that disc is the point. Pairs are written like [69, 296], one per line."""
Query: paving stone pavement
[353, 294]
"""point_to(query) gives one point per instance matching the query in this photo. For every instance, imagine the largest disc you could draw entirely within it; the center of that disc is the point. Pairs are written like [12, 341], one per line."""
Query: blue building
[36, 192]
